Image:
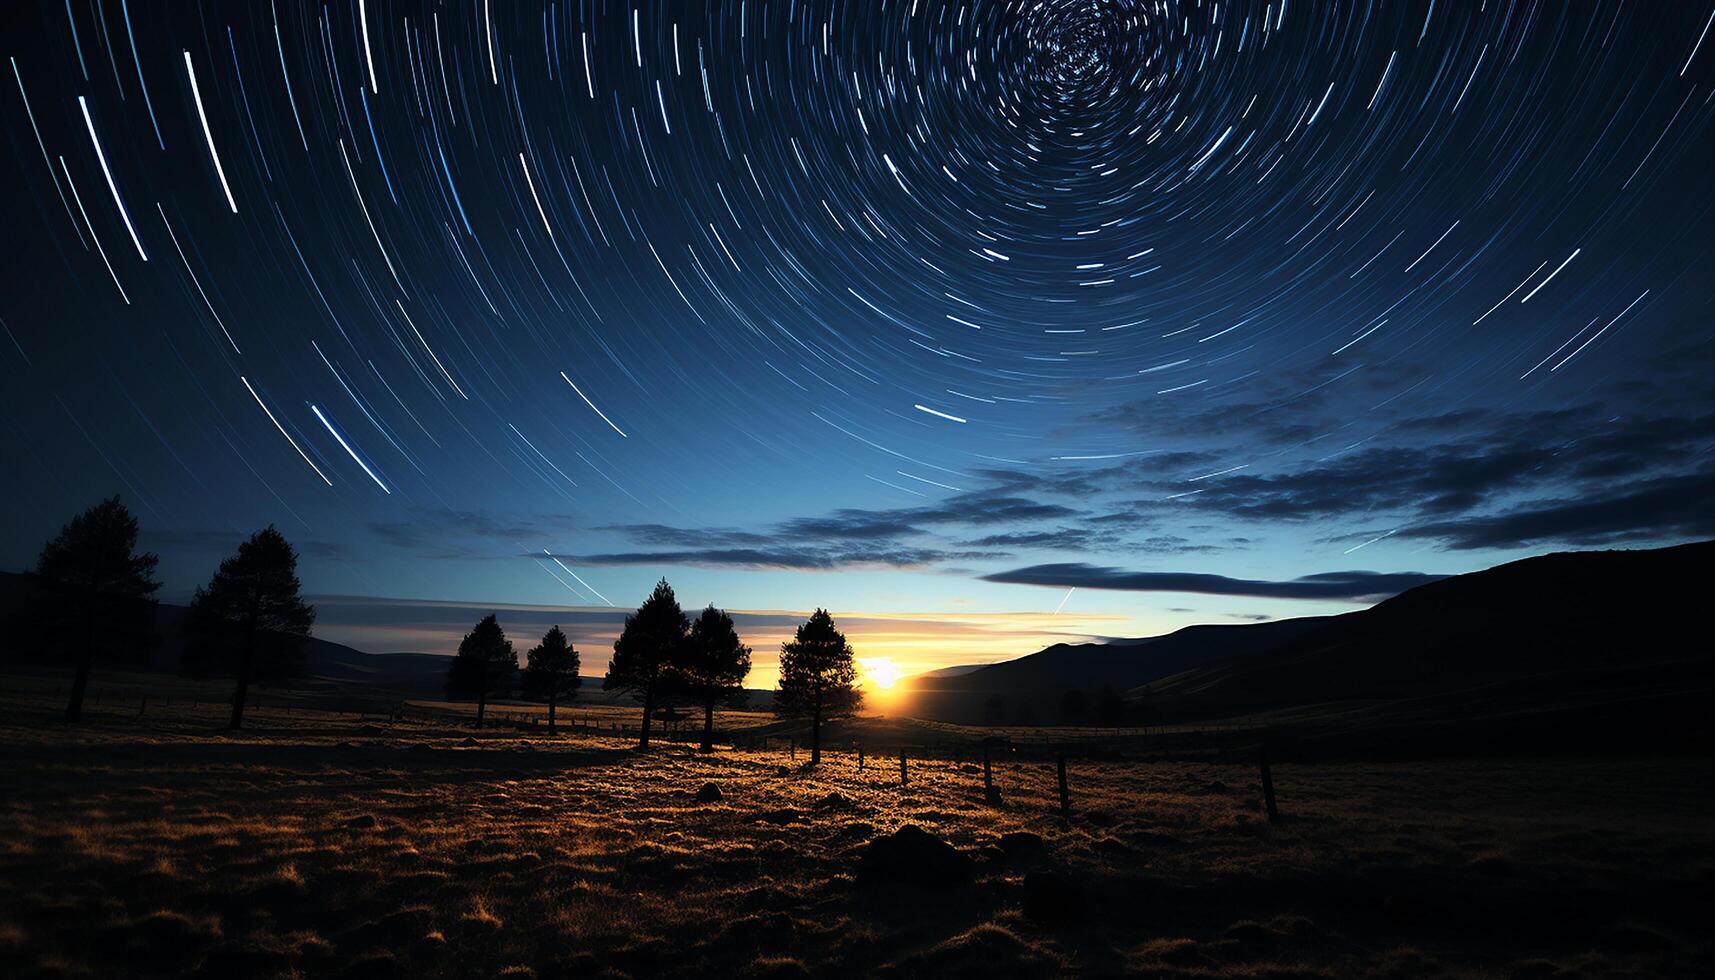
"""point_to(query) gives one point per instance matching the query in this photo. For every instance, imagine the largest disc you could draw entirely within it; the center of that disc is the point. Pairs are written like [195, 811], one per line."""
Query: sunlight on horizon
[879, 671]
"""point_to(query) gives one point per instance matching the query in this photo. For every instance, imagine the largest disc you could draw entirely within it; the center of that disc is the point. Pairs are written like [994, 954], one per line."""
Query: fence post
[902, 766]
[988, 774]
[1267, 785]
[860, 757]
[1065, 795]
[794, 748]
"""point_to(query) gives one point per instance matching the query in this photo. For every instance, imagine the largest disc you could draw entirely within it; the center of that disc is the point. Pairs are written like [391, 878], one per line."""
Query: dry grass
[318, 845]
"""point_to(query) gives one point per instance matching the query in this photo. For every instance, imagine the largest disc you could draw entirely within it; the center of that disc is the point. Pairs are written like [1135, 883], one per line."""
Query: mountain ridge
[1550, 616]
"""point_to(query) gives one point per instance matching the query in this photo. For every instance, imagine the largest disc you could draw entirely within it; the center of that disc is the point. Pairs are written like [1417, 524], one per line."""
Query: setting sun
[880, 671]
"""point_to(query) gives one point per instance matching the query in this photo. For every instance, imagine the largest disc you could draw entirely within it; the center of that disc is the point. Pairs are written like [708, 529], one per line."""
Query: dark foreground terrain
[323, 845]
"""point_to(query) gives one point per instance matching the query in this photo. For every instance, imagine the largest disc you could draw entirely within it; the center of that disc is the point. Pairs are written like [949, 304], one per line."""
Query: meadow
[328, 843]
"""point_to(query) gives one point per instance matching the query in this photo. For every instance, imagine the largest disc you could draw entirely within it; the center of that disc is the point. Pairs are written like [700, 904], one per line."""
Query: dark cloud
[1064, 539]
[850, 536]
[1436, 479]
[665, 536]
[801, 559]
[1279, 409]
[1662, 509]
[865, 525]
[1466, 476]
[206, 542]
[1511, 456]
[1326, 585]
[445, 532]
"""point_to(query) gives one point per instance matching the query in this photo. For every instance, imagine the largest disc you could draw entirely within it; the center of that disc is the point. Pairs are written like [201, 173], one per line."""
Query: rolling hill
[1594, 627]
[1614, 632]
[1032, 689]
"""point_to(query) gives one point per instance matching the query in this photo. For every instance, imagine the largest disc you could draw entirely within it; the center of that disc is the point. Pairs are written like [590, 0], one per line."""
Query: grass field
[317, 843]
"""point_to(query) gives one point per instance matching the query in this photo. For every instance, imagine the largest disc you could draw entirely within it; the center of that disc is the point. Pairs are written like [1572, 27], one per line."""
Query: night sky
[979, 323]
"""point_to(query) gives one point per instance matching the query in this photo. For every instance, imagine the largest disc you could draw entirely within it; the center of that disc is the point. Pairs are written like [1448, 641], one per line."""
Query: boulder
[913, 855]
[1020, 842]
[709, 793]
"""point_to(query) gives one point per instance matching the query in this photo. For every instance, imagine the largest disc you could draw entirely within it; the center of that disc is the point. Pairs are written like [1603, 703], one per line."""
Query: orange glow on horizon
[881, 672]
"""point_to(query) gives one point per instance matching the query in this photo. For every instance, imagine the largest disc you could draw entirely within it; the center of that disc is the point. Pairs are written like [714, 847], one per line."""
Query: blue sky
[1033, 316]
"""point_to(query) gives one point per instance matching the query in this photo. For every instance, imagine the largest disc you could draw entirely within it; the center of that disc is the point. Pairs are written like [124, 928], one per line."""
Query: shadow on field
[442, 755]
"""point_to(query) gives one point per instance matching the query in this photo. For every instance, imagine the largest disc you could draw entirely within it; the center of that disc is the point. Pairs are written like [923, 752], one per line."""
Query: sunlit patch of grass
[283, 853]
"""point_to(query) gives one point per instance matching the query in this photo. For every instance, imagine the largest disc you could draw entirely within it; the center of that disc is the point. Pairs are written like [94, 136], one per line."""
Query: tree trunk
[243, 691]
[550, 712]
[816, 732]
[80, 680]
[648, 709]
[708, 725]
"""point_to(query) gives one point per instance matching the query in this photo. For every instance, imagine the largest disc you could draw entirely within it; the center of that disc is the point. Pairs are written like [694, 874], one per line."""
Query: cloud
[666, 536]
[443, 532]
[1354, 585]
[224, 542]
[1666, 508]
[900, 537]
[807, 558]
[1475, 472]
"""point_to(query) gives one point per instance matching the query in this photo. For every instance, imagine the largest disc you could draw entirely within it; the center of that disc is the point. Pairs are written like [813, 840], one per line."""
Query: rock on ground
[915, 856]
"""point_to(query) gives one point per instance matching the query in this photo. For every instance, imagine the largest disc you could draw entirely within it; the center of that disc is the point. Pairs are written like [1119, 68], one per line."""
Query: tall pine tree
[484, 660]
[713, 668]
[818, 677]
[252, 606]
[653, 639]
[93, 584]
[551, 671]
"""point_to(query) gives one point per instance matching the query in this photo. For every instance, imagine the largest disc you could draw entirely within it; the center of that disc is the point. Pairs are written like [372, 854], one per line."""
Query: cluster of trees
[486, 662]
[249, 622]
[92, 584]
[663, 658]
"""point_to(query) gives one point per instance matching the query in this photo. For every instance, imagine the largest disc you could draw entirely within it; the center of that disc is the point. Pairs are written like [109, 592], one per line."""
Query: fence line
[955, 745]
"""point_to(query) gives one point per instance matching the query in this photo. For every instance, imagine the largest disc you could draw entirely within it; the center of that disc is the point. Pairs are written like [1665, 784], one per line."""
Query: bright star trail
[921, 289]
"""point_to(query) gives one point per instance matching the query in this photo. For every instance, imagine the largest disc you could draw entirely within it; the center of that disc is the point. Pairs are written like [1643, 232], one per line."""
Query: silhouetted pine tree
[653, 639]
[251, 606]
[817, 677]
[484, 659]
[713, 668]
[551, 671]
[91, 584]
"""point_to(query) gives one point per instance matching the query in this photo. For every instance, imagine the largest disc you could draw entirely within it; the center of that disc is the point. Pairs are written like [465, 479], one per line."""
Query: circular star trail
[618, 260]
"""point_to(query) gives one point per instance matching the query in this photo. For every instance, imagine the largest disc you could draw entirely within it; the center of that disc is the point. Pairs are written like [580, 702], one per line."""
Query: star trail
[510, 300]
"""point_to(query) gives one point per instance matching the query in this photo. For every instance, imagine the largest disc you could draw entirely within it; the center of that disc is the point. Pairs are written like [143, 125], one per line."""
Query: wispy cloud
[1356, 586]
[1680, 507]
